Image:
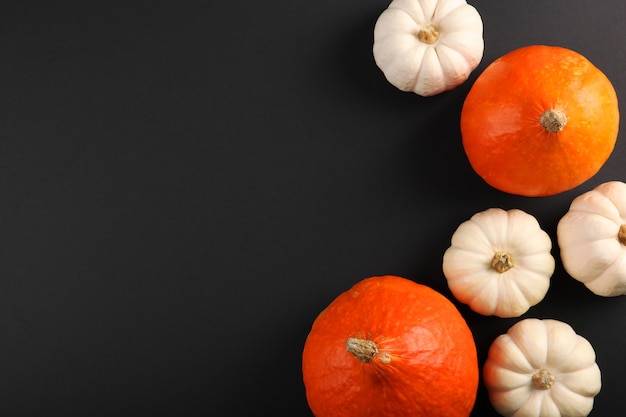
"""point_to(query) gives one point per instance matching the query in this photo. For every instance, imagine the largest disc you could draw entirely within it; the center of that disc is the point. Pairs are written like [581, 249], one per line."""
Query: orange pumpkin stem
[621, 235]
[553, 120]
[544, 379]
[365, 350]
[428, 34]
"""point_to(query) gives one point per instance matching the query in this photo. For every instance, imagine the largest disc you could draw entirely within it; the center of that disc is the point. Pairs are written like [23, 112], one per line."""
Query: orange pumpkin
[539, 121]
[390, 347]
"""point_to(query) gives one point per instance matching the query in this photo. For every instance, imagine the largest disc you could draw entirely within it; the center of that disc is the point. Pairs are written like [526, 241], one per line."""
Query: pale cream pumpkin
[592, 239]
[542, 368]
[428, 46]
[499, 262]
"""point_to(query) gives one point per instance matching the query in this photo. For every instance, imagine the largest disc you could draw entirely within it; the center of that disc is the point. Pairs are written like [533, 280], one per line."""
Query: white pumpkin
[541, 368]
[592, 239]
[428, 46]
[499, 262]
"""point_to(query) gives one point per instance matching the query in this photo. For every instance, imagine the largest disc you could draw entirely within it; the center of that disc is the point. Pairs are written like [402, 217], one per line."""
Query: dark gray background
[185, 185]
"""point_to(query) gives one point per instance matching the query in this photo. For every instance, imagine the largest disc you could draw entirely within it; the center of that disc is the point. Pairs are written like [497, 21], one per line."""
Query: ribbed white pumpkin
[428, 46]
[542, 368]
[592, 239]
[499, 262]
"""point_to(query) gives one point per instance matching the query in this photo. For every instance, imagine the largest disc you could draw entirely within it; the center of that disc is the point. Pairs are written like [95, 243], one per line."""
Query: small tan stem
[621, 235]
[553, 120]
[544, 379]
[428, 34]
[502, 261]
[365, 350]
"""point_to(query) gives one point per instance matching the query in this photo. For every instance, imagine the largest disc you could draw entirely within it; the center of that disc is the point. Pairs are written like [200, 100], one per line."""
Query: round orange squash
[390, 347]
[539, 121]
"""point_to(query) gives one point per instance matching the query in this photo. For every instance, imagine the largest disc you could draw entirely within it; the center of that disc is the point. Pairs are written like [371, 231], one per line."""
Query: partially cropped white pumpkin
[499, 262]
[542, 368]
[428, 46]
[592, 239]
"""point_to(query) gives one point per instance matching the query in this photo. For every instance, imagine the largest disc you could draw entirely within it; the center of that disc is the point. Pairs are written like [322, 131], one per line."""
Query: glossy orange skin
[433, 370]
[502, 136]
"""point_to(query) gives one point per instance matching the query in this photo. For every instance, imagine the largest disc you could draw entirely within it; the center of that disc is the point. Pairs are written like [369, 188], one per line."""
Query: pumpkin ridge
[588, 212]
[538, 263]
[477, 295]
[579, 390]
[451, 15]
[412, 82]
[429, 16]
[583, 405]
[461, 50]
[524, 292]
[509, 290]
[583, 206]
[525, 346]
[423, 73]
[501, 360]
[598, 285]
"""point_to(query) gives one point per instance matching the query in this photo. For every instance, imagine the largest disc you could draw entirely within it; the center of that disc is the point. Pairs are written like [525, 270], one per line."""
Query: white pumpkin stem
[502, 261]
[365, 350]
[621, 235]
[428, 34]
[553, 120]
[544, 379]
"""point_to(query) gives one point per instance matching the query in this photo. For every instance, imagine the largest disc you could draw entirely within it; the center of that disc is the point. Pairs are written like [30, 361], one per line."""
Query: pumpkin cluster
[551, 129]
[390, 346]
[500, 263]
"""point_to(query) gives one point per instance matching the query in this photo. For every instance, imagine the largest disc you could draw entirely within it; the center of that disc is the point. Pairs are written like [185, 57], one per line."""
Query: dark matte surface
[185, 185]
